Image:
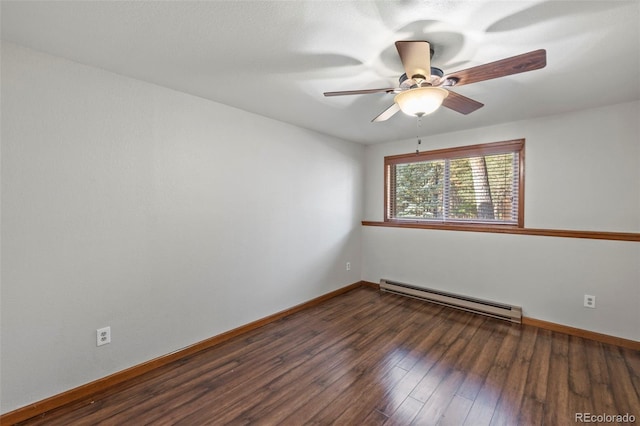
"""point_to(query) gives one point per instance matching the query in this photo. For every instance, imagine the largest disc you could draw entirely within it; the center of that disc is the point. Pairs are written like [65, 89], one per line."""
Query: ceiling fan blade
[516, 64]
[415, 57]
[360, 92]
[461, 104]
[387, 113]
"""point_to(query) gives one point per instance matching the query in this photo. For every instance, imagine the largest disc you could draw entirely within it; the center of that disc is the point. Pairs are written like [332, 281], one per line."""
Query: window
[479, 184]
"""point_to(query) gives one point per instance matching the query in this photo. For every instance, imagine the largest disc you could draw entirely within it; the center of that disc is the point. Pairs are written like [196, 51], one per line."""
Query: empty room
[320, 212]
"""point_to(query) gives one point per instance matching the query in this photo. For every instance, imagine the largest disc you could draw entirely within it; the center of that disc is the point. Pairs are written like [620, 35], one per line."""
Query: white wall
[547, 276]
[168, 217]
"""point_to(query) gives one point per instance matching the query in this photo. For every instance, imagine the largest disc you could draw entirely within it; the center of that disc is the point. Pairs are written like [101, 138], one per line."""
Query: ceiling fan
[423, 88]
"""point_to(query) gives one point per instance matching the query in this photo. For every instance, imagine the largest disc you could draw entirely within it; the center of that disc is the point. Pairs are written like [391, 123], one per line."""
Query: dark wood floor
[370, 358]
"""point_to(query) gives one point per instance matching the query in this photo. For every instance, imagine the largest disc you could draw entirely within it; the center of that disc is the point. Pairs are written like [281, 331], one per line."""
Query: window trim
[514, 145]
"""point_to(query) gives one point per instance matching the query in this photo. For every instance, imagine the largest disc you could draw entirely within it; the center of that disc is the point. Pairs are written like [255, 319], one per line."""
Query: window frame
[503, 147]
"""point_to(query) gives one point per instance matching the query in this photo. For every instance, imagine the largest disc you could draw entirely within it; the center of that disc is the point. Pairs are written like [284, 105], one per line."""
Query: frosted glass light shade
[421, 100]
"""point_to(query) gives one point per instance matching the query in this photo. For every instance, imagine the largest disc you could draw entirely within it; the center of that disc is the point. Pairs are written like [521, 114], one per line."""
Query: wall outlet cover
[103, 336]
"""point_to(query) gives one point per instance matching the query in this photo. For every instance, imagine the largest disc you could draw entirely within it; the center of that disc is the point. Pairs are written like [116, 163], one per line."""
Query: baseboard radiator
[470, 304]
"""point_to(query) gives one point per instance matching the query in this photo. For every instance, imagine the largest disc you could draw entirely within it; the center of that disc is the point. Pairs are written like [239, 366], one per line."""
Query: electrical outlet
[589, 301]
[103, 336]
[348, 266]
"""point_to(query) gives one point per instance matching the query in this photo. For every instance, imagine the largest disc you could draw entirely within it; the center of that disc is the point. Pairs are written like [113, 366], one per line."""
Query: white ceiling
[276, 58]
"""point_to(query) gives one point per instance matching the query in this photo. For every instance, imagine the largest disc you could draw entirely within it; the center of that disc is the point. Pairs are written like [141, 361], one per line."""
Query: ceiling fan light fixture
[421, 101]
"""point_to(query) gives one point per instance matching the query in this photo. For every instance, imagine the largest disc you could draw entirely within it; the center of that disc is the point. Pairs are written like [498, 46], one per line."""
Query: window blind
[477, 184]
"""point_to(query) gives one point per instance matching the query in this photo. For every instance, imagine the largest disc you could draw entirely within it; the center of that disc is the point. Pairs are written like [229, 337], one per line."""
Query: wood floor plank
[432, 326]
[232, 401]
[632, 360]
[422, 359]
[445, 355]
[233, 381]
[626, 397]
[597, 363]
[372, 390]
[485, 327]
[374, 358]
[601, 394]
[531, 412]
[485, 402]
[536, 387]
[434, 408]
[601, 400]
[375, 418]
[335, 397]
[281, 409]
[477, 371]
[405, 413]
[305, 378]
[579, 380]
[456, 412]
[557, 409]
[508, 408]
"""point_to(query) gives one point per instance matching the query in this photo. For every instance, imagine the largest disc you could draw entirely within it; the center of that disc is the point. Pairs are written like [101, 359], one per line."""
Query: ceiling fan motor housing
[436, 75]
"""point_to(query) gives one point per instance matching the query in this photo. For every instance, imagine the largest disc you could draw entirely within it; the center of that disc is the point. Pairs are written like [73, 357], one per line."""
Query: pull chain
[418, 125]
